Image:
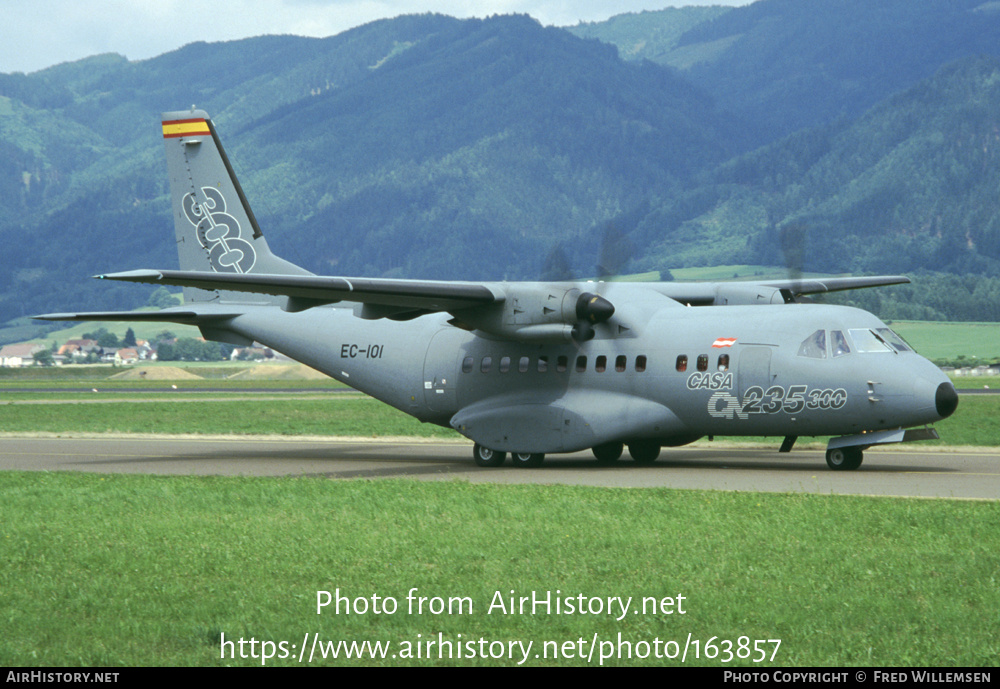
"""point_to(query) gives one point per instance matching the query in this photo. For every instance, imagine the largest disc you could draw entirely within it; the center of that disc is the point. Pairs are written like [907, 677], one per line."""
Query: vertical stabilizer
[216, 229]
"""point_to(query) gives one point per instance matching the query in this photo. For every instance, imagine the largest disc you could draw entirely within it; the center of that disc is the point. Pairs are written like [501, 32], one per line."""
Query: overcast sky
[40, 33]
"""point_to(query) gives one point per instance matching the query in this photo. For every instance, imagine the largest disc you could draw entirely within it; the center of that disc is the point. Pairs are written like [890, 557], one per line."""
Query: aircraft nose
[946, 400]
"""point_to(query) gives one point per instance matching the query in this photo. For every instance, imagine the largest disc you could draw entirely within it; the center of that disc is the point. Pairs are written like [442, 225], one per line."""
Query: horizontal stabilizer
[184, 317]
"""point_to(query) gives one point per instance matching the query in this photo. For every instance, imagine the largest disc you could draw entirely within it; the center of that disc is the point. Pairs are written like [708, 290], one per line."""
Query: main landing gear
[844, 458]
[485, 457]
[642, 452]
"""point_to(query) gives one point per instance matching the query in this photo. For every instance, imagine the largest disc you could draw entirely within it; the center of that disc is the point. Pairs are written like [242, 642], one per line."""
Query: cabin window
[814, 346]
[838, 344]
[620, 363]
[640, 363]
[467, 364]
[487, 364]
[562, 363]
[723, 362]
[601, 364]
[581, 364]
[543, 364]
[682, 363]
[504, 364]
[703, 362]
[522, 364]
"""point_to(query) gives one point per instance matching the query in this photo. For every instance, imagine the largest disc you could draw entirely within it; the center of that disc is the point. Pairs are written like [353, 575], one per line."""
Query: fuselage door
[441, 370]
[754, 369]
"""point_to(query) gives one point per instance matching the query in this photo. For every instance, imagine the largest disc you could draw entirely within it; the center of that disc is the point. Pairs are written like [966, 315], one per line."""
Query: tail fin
[216, 229]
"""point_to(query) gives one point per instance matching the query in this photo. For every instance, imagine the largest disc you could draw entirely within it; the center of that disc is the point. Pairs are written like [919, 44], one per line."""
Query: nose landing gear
[844, 458]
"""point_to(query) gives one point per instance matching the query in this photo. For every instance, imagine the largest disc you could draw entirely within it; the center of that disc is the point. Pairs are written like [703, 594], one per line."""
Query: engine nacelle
[541, 314]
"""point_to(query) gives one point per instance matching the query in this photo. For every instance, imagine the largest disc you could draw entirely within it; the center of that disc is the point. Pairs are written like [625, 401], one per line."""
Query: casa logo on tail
[219, 232]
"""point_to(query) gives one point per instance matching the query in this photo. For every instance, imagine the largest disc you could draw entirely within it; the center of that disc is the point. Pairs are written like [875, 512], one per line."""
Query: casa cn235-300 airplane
[530, 368]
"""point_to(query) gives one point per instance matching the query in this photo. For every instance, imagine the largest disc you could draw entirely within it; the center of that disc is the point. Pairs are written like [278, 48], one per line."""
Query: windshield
[898, 343]
[867, 341]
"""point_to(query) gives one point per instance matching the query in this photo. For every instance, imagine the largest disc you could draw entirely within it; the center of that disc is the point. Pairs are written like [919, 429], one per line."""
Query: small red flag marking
[724, 342]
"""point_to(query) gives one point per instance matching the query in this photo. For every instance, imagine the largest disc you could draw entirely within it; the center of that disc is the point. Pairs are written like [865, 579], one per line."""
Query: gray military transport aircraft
[530, 368]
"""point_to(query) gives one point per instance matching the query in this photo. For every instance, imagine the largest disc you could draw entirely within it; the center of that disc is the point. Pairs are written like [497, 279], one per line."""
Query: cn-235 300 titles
[527, 369]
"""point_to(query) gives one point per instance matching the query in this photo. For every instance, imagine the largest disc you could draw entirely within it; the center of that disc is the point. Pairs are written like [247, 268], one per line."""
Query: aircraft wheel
[485, 457]
[526, 460]
[844, 458]
[644, 453]
[608, 453]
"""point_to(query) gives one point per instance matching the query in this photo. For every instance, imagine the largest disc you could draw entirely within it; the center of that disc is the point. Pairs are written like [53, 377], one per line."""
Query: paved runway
[903, 471]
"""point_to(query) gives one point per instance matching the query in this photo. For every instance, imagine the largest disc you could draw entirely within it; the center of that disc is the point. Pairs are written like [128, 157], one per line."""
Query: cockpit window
[867, 341]
[838, 343]
[814, 346]
[898, 343]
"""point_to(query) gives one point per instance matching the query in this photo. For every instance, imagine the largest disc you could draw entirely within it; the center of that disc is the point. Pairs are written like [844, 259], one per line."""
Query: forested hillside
[834, 137]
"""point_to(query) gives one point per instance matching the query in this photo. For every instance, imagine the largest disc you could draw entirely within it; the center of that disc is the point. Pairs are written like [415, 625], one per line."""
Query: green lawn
[125, 570]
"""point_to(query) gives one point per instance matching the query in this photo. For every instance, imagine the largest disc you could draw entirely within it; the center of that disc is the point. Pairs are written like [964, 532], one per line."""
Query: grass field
[979, 342]
[130, 570]
[141, 570]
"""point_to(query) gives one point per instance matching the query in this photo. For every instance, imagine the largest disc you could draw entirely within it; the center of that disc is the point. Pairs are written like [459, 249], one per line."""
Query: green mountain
[783, 65]
[649, 35]
[909, 186]
[789, 64]
[830, 136]
[453, 149]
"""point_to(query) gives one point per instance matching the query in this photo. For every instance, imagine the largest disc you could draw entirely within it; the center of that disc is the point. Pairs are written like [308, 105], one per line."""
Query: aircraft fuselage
[682, 373]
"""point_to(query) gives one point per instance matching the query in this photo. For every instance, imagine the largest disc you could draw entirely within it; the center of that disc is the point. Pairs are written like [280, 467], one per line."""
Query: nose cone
[946, 400]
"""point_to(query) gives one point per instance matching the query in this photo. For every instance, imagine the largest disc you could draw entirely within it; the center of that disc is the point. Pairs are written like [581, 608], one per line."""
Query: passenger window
[543, 364]
[814, 346]
[640, 363]
[467, 364]
[723, 362]
[522, 364]
[682, 363]
[487, 364]
[620, 363]
[601, 364]
[562, 363]
[703, 362]
[504, 364]
[581, 364]
[838, 343]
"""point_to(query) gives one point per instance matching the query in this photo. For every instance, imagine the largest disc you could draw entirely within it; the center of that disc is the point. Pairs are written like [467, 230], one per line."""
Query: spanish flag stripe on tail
[178, 128]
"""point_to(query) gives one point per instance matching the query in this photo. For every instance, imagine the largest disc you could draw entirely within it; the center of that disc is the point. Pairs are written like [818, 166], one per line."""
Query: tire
[844, 458]
[608, 453]
[485, 457]
[527, 460]
[644, 452]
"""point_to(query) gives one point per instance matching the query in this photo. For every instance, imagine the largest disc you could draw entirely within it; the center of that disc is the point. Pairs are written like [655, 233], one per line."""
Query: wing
[767, 291]
[390, 297]
[817, 286]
